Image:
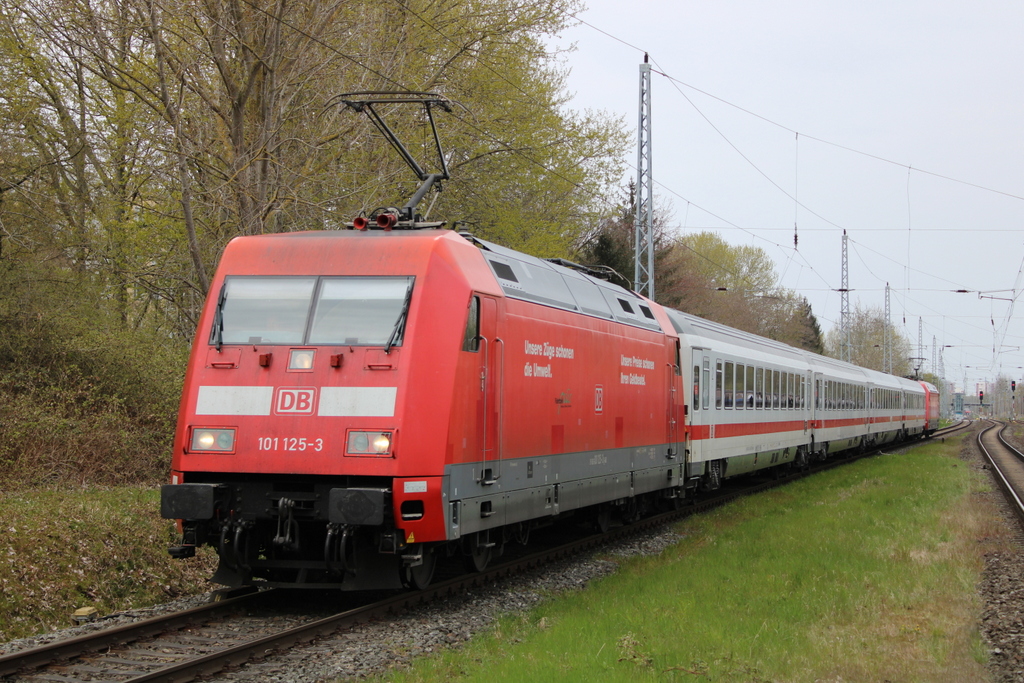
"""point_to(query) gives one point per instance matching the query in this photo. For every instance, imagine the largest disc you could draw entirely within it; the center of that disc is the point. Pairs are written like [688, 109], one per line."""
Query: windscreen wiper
[399, 330]
[218, 318]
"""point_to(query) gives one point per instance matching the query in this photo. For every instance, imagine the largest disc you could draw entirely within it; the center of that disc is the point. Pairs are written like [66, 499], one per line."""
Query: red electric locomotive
[356, 398]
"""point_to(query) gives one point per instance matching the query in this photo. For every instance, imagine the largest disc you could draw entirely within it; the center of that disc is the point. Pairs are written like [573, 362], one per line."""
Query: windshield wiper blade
[218, 318]
[399, 329]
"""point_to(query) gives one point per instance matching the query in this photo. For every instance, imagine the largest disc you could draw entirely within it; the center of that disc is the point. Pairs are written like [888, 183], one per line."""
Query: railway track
[1007, 465]
[230, 632]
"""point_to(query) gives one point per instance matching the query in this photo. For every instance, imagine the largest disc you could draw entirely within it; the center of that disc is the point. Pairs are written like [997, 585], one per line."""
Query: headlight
[301, 359]
[369, 443]
[213, 440]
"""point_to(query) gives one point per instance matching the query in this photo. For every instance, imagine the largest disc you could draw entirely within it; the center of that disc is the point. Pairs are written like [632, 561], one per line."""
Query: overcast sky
[912, 90]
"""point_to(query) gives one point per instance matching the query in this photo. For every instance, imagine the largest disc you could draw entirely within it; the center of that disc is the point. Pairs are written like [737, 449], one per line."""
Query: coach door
[817, 402]
[698, 400]
[491, 379]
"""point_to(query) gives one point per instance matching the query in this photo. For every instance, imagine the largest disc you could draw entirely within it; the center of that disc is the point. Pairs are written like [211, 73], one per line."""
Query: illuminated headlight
[213, 440]
[369, 443]
[300, 359]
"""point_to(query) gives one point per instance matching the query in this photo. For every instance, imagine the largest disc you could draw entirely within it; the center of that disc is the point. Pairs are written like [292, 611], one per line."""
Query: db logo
[598, 399]
[295, 401]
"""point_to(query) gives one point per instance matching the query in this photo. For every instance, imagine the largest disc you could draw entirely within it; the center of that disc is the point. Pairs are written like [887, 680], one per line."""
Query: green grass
[105, 548]
[863, 573]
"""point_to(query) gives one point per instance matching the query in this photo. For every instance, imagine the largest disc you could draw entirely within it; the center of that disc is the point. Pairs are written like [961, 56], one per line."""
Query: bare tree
[867, 340]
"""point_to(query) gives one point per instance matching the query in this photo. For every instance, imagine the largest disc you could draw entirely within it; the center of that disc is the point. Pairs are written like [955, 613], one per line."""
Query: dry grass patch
[105, 548]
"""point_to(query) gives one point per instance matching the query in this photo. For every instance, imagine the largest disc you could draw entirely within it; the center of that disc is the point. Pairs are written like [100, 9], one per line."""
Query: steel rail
[61, 650]
[1010, 493]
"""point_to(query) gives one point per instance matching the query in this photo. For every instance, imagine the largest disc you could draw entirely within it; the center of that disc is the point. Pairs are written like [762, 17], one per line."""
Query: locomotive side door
[676, 404]
[491, 379]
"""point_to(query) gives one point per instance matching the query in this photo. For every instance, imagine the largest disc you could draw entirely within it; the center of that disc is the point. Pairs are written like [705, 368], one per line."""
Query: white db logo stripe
[357, 401]
[334, 401]
[234, 400]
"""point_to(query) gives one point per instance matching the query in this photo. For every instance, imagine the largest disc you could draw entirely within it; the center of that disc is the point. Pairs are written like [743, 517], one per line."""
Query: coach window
[750, 386]
[718, 382]
[740, 400]
[730, 384]
[696, 387]
[471, 337]
[789, 391]
[706, 384]
[759, 389]
[776, 388]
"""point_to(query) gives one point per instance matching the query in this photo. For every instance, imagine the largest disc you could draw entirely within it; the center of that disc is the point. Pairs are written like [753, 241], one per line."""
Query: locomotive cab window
[363, 311]
[471, 337]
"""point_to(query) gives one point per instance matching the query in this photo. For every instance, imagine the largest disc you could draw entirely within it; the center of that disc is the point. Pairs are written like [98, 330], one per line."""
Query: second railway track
[1007, 465]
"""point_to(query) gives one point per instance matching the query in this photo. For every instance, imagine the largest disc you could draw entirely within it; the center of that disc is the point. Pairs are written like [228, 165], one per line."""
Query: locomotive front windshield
[360, 311]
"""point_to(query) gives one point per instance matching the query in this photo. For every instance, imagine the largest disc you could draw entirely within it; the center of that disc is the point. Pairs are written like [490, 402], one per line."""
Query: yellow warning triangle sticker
[412, 537]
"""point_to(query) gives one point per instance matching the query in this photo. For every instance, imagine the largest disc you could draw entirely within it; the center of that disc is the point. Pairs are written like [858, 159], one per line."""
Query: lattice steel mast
[644, 221]
[844, 315]
[887, 336]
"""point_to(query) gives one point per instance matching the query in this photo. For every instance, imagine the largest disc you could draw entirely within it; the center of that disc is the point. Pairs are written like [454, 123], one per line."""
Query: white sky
[936, 86]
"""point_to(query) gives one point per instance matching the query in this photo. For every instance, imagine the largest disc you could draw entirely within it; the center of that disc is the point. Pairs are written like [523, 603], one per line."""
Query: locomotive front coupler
[189, 542]
[286, 525]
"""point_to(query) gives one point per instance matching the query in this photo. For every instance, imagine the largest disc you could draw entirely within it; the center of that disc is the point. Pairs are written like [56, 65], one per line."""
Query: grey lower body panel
[529, 489]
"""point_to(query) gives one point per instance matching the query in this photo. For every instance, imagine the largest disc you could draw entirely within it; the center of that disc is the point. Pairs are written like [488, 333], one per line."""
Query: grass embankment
[105, 548]
[864, 573]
